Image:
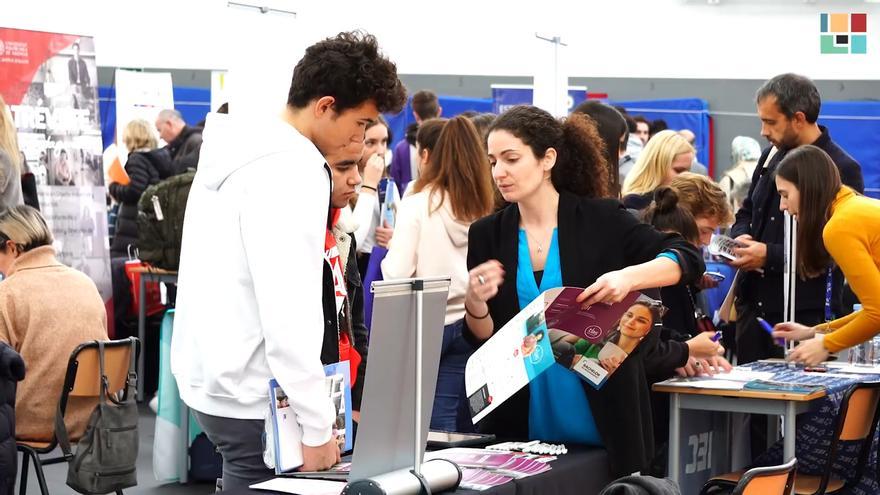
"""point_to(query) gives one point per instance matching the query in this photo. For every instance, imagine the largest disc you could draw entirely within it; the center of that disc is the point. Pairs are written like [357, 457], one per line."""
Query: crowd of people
[508, 206]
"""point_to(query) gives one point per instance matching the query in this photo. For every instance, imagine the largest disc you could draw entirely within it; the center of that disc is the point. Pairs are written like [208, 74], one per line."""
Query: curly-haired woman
[561, 231]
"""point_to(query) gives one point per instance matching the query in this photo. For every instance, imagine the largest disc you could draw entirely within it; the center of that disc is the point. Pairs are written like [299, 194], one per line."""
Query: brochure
[484, 469]
[555, 329]
[286, 432]
[389, 198]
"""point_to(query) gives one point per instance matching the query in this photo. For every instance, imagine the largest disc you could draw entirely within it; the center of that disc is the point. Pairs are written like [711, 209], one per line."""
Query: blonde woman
[666, 155]
[48, 309]
[10, 156]
[145, 166]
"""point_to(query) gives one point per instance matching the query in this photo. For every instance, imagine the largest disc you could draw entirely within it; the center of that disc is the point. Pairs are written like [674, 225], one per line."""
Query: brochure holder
[406, 334]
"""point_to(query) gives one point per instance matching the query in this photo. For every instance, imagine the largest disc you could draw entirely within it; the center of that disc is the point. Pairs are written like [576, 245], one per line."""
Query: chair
[81, 380]
[771, 480]
[856, 421]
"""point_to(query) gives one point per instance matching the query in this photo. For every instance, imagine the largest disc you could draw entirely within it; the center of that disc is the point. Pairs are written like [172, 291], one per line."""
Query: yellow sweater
[852, 237]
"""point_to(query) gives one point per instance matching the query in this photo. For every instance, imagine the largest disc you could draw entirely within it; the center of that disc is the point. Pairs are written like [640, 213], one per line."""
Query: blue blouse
[558, 407]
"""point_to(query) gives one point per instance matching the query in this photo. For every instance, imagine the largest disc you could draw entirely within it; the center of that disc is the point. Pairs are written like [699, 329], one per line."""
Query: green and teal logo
[844, 33]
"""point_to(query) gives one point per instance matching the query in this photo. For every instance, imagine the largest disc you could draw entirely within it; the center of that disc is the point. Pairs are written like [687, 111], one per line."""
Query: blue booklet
[286, 431]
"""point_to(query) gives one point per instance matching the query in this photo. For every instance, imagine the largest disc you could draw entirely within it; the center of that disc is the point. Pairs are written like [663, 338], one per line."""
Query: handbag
[152, 296]
[106, 455]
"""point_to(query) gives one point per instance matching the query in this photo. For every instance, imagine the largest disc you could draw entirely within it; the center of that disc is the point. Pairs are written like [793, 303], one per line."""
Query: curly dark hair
[349, 68]
[580, 153]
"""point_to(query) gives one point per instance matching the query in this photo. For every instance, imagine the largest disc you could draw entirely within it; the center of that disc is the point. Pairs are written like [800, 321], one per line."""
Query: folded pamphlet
[555, 329]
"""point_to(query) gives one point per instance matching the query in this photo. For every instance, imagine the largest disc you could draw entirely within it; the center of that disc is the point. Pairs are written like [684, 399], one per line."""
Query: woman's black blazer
[595, 236]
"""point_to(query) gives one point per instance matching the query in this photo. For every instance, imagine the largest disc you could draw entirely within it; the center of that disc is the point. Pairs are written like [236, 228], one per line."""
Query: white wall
[615, 38]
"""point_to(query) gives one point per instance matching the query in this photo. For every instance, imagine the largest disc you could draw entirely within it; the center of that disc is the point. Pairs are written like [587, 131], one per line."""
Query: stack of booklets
[554, 329]
[484, 469]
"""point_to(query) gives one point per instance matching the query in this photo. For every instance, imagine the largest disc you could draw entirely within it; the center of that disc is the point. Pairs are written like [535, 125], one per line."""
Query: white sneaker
[154, 404]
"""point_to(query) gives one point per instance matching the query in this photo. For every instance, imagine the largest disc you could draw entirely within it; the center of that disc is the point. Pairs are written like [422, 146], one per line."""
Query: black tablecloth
[583, 471]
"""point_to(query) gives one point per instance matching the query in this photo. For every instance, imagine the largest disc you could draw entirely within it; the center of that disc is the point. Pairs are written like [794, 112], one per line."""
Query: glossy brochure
[554, 328]
[286, 433]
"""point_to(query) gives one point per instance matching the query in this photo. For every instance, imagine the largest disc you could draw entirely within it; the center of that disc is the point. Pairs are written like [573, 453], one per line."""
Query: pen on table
[769, 329]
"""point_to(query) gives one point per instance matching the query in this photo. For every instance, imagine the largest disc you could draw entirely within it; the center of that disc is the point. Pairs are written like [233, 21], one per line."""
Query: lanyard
[828, 281]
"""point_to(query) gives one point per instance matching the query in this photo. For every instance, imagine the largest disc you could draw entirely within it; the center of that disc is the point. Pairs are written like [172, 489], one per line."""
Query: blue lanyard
[828, 280]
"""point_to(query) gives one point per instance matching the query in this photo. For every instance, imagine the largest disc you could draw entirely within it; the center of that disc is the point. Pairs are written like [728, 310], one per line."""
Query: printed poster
[140, 95]
[591, 342]
[49, 81]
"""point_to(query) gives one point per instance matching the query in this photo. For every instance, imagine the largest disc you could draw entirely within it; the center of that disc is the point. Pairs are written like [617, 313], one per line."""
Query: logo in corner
[841, 34]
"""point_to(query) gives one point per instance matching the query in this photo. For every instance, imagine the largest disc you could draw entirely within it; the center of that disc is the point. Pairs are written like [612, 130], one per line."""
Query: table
[147, 274]
[583, 471]
[787, 405]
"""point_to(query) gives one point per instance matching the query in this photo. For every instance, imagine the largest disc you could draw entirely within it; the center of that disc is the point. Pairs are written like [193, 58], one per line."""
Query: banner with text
[49, 82]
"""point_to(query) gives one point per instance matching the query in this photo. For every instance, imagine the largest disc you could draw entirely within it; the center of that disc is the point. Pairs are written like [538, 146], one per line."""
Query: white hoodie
[250, 285]
[430, 243]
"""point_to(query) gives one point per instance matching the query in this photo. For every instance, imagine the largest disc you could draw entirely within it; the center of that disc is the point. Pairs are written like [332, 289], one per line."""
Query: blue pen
[716, 337]
[769, 329]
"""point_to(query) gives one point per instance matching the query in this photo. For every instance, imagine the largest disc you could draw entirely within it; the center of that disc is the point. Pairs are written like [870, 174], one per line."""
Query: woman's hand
[611, 362]
[373, 171]
[384, 234]
[793, 331]
[609, 288]
[483, 283]
[810, 352]
[710, 366]
[702, 346]
[707, 282]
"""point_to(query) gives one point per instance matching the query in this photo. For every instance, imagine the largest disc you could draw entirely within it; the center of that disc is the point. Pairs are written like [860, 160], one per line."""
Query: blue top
[558, 407]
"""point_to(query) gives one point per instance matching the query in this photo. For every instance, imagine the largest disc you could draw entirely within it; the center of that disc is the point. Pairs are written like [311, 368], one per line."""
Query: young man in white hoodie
[250, 284]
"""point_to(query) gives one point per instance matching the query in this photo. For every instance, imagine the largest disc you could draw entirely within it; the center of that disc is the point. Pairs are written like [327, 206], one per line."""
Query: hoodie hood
[456, 230]
[230, 144]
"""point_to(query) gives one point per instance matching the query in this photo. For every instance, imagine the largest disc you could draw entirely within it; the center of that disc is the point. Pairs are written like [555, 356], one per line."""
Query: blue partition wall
[452, 106]
[684, 113]
[192, 103]
[855, 126]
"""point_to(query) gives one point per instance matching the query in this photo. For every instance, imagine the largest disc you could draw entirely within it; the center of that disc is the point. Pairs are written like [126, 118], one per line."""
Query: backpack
[106, 455]
[160, 220]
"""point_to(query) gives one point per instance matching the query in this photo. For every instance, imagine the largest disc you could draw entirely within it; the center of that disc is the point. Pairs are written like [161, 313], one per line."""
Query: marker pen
[769, 329]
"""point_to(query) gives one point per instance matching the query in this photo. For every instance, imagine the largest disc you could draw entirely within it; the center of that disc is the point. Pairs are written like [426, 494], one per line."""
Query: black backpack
[106, 456]
[160, 220]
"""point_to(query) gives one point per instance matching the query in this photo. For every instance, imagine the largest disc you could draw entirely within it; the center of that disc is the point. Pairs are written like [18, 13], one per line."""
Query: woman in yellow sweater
[809, 185]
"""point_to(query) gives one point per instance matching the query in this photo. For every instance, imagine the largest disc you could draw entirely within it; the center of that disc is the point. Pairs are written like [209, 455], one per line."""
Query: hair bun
[665, 199]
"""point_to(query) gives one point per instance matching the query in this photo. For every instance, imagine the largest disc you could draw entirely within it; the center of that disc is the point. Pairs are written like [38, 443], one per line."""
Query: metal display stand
[406, 334]
[790, 281]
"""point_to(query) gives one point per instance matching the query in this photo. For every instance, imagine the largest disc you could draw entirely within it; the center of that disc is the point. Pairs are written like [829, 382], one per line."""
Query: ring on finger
[481, 279]
[697, 364]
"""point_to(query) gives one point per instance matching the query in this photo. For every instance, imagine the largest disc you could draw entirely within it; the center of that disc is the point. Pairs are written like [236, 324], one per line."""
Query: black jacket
[358, 336]
[144, 169]
[761, 218]
[670, 352]
[184, 150]
[638, 202]
[11, 371]
[595, 236]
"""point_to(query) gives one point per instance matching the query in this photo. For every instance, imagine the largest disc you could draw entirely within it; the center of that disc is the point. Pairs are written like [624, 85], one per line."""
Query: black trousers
[753, 343]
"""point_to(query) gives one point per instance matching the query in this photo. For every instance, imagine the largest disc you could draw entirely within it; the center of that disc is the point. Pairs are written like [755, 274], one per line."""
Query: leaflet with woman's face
[554, 328]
